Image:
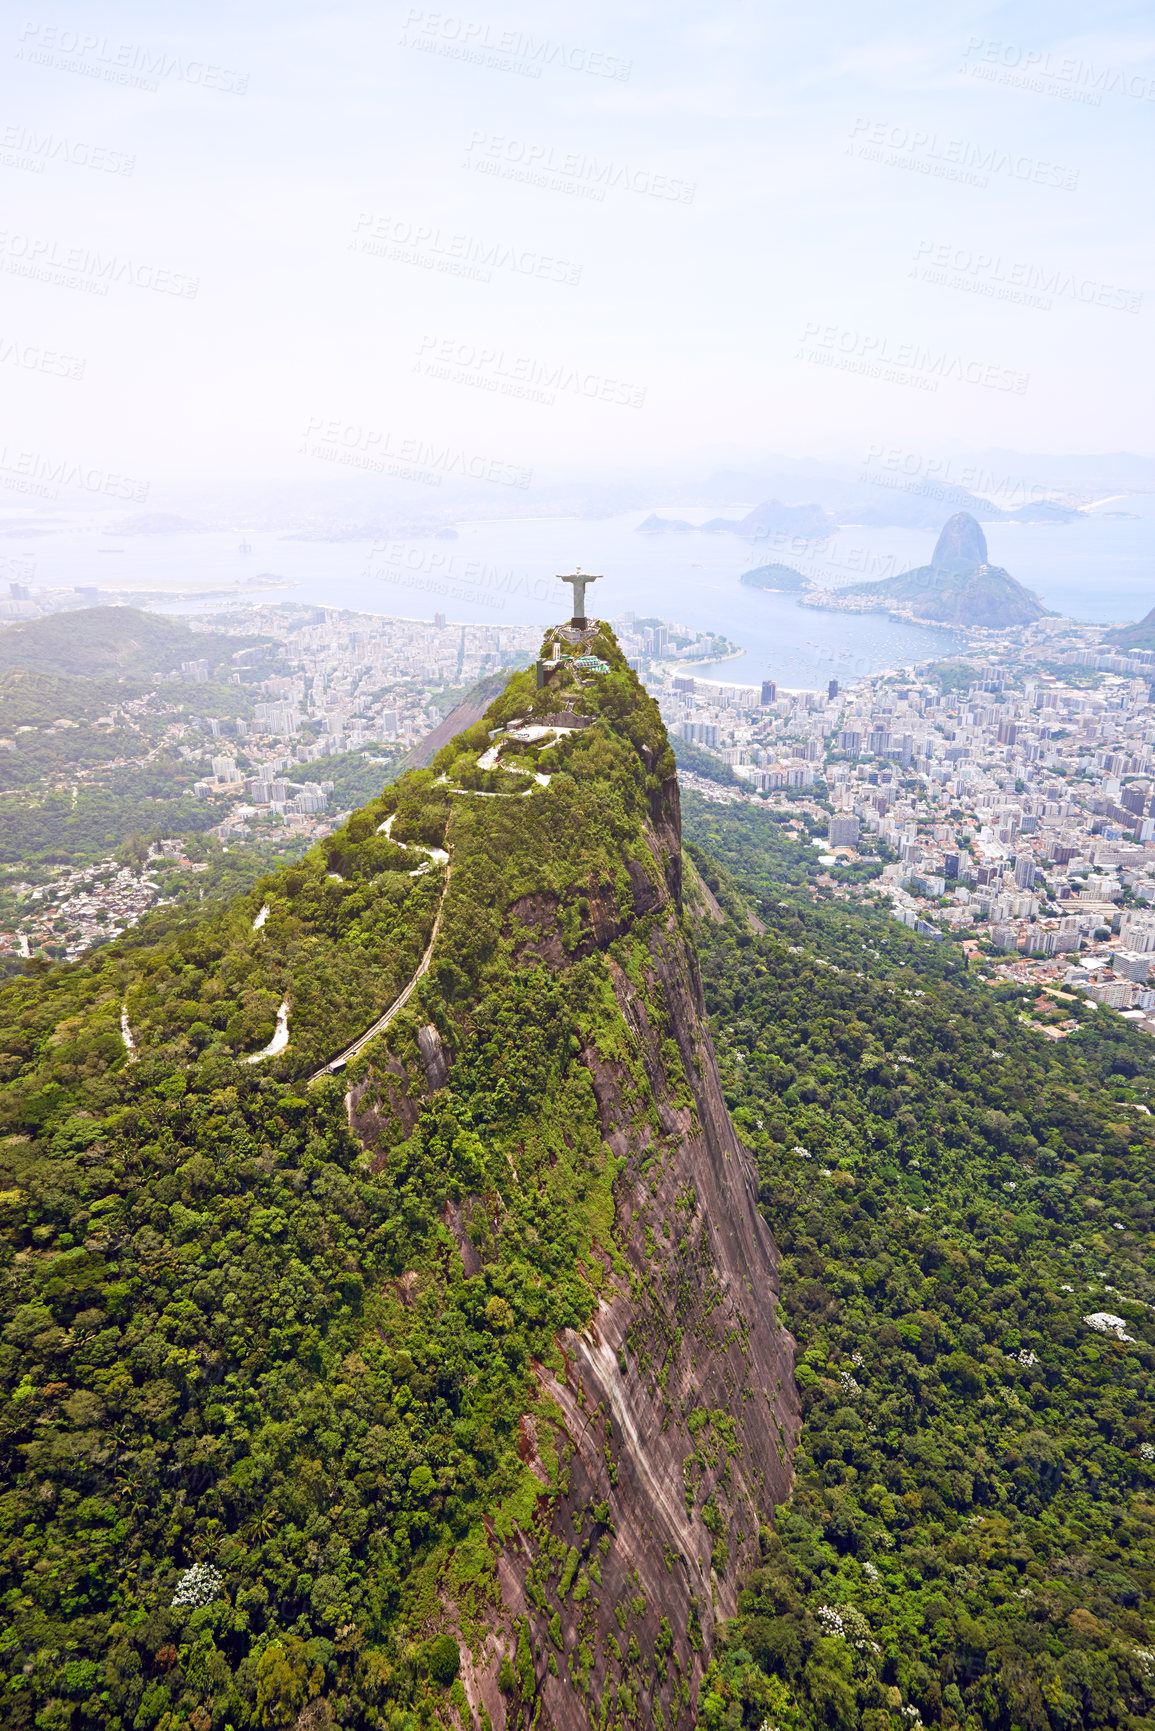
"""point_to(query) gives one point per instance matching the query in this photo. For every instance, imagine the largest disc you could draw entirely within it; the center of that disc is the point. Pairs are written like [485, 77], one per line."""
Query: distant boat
[244, 547]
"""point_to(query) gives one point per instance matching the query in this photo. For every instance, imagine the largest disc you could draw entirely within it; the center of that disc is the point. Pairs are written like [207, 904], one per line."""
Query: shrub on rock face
[444, 1659]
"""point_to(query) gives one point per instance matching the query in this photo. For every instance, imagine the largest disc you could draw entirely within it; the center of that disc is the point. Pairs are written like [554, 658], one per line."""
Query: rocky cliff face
[961, 546]
[675, 1411]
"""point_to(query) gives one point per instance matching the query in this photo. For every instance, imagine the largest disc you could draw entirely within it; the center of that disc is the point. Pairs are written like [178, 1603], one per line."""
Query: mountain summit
[961, 546]
[390, 1327]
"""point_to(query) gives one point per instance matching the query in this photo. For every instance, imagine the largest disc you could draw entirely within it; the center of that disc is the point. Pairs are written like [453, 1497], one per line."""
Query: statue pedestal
[577, 631]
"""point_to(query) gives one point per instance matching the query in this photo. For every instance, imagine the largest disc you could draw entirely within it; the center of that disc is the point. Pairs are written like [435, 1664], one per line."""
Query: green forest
[111, 643]
[972, 1537]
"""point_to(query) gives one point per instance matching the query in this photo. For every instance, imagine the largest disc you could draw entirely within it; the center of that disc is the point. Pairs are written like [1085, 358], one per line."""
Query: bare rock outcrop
[680, 1401]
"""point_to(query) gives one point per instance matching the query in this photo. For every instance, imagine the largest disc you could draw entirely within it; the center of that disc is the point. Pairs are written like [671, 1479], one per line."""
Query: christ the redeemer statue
[579, 581]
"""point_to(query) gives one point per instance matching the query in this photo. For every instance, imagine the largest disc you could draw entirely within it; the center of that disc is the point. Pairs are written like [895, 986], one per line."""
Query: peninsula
[957, 588]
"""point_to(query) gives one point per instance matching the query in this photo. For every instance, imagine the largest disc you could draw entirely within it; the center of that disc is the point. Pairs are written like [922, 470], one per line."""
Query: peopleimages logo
[838, 560]
[32, 472]
[24, 147]
[377, 451]
[472, 577]
[957, 159]
[483, 44]
[1064, 76]
[78, 267]
[569, 171]
[991, 275]
[127, 63]
[31, 358]
[431, 248]
[943, 478]
[906, 363]
[521, 376]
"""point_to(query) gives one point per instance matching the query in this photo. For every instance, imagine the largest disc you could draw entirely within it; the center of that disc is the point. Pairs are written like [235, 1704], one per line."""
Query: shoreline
[830, 604]
[702, 660]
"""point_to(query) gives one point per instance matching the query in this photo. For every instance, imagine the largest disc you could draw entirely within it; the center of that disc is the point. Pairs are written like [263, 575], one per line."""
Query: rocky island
[776, 577]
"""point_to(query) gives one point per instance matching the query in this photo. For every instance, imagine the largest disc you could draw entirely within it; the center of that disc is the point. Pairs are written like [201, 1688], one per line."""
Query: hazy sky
[240, 242]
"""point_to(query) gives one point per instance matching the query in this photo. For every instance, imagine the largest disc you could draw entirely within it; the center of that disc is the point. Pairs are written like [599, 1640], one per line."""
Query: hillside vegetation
[972, 1539]
[284, 1354]
[99, 642]
[989, 597]
[1141, 635]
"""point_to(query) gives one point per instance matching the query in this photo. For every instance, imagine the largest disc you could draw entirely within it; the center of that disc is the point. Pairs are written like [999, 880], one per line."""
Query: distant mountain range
[843, 505]
[958, 587]
[804, 522]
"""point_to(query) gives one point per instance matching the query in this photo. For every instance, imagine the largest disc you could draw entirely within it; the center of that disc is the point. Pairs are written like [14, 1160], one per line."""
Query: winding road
[398, 1003]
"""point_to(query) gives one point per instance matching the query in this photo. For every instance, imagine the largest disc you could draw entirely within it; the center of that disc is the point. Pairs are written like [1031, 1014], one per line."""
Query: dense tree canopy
[972, 1537]
[258, 1426]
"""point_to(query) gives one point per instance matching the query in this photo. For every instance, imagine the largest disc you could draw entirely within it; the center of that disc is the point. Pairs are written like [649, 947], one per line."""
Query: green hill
[775, 577]
[988, 596]
[102, 642]
[324, 1394]
[958, 587]
[1141, 635]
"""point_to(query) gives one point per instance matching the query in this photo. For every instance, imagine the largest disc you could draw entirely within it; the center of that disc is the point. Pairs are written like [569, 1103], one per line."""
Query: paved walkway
[398, 1003]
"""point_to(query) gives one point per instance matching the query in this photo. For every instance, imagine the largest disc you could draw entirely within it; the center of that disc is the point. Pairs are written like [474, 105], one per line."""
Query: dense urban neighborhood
[1006, 800]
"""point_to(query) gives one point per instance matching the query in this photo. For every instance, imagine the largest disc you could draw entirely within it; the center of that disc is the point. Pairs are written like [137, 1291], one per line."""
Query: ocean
[504, 571]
